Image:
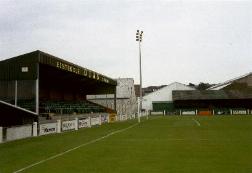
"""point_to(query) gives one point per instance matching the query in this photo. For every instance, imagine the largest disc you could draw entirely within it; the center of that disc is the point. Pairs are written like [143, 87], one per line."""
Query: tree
[200, 86]
[203, 86]
[192, 85]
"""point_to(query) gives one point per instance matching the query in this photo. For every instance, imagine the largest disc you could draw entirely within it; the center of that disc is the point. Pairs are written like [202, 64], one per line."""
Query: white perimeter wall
[163, 94]
[20, 132]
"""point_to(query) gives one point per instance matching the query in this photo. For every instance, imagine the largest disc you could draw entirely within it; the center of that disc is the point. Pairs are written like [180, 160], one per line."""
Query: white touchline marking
[183, 139]
[82, 145]
[197, 122]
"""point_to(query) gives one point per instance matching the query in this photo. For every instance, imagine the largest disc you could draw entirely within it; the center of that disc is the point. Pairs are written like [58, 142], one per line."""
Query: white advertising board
[68, 125]
[123, 117]
[104, 118]
[95, 121]
[188, 113]
[49, 128]
[156, 113]
[84, 122]
[239, 112]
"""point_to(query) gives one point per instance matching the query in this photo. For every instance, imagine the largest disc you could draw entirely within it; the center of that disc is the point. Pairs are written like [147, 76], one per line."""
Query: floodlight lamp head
[139, 35]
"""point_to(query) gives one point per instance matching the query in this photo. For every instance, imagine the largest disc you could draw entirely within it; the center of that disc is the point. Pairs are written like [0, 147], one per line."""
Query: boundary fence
[58, 126]
[203, 112]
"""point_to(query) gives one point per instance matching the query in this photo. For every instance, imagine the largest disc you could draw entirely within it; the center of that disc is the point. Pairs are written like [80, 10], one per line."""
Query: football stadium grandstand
[37, 84]
[231, 97]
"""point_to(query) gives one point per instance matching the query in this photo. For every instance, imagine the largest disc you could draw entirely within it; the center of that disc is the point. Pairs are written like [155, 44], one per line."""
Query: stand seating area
[28, 104]
[61, 107]
[70, 107]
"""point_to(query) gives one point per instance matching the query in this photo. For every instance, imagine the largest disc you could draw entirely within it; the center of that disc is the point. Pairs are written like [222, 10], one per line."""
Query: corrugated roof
[228, 82]
[211, 95]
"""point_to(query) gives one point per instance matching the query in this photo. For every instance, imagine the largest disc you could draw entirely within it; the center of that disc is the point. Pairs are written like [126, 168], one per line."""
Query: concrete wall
[126, 98]
[14, 133]
[163, 94]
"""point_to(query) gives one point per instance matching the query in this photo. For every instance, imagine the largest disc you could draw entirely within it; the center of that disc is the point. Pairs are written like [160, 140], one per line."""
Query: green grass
[161, 144]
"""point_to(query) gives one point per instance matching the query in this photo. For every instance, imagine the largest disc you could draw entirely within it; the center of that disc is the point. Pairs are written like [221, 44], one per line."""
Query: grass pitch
[161, 144]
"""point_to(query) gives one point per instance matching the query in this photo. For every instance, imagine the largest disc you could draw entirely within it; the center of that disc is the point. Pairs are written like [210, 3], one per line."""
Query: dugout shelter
[37, 84]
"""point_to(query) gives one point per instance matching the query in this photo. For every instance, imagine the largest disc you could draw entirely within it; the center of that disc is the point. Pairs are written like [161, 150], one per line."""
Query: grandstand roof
[228, 82]
[14, 115]
[210, 95]
[25, 67]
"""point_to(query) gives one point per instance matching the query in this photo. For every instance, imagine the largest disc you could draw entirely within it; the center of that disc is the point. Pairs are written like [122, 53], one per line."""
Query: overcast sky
[184, 41]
